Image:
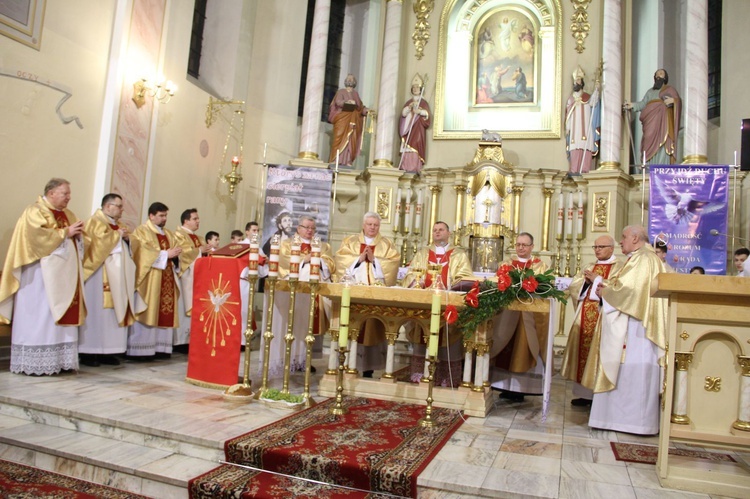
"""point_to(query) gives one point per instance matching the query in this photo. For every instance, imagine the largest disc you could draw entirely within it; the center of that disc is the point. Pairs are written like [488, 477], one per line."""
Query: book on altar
[464, 285]
[232, 250]
[349, 107]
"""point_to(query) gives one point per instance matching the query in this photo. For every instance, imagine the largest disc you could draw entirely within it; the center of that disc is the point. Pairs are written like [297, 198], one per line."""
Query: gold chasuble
[388, 258]
[190, 244]
[39, 232]
[629, 292]
[529, 340]
[156, 287]
[101, 237]
[584, 324]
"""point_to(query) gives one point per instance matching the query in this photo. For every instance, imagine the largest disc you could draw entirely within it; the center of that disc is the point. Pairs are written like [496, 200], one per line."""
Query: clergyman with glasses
[519, 339]
[587, 305]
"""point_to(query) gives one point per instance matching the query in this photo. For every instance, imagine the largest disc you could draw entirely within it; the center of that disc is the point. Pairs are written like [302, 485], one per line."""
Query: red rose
[472, 297]
[451, 314]
[503, 282]
[530, 284]
[504, 270]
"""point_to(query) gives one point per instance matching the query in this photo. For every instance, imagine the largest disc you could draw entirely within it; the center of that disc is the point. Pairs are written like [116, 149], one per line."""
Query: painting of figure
[505, 55]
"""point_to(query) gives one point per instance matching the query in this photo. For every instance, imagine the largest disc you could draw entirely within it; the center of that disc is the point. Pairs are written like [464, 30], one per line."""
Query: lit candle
[252, 264]
[579, 220]
[560, 209]
[294, 258]
[344, 317]
[432, 347]
[569, 219]
[315, 259]
[273, 258]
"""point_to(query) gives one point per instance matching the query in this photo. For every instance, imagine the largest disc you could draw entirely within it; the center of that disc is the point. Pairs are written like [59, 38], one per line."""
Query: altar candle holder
[558, 254]
[338, 409]
[579, 239]
[289, 336]
[268, 334]
[244, 389]
[427, 421]
[310, 339]
[568, 251]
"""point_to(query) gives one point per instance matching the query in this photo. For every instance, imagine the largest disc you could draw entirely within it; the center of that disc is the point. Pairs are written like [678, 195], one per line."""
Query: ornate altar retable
[396, 306]
[706, 399]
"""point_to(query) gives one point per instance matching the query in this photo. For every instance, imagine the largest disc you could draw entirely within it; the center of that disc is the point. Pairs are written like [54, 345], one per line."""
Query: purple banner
[293, 191]
[686, 203]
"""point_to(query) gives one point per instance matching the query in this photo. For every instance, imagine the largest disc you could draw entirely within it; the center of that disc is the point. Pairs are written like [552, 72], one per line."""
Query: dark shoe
[313, 370]
[367, 374]
[109, 360]
[512, 396]
[181, 348]
[89, 359]
[140, 358]
[581, 402]
[163, 355]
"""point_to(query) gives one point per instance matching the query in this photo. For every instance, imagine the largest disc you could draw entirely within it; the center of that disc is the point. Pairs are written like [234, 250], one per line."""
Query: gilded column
[545, 221]
[696, 83]
[679, 397]
[434, 191]
[743, 421]
[460, 193]
[387, 122]
[612, 86]
[316, 70]
[517, 190]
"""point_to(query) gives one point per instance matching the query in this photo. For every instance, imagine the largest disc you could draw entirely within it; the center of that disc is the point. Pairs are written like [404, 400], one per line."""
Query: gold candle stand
[309, 340]
[338, 408]
[579, 237]
[568, 250]
[289, 337]
[244, 389]
[558, 255]
[268, 334]
[427, 421]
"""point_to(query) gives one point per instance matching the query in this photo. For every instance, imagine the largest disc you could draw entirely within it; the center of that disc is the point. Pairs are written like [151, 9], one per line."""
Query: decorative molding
[684, 336]
[383, 197]
[580, 25]
[713, 384]
[600, 220]
[421, 35]
[682, 360]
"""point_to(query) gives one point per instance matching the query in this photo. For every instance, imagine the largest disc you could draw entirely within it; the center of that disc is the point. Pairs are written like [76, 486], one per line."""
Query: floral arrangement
[487, 298]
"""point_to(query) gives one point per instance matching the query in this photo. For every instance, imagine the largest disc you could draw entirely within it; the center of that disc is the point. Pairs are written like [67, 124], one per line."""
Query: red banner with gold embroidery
[216, 324]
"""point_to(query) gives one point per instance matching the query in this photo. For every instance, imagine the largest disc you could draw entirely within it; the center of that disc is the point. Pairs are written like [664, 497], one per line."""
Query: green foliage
[276, 394]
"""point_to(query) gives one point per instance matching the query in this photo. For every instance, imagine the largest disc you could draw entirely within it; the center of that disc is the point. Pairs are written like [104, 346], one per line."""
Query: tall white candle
[252, 266]
[397, 221]
[560, 210]
[569, 218]
[273, 258]
[407, 210]
[579, 220]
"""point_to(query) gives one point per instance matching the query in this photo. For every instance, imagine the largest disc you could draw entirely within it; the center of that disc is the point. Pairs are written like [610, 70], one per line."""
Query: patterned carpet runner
[24, 482]
[647, 454]
[377, 446]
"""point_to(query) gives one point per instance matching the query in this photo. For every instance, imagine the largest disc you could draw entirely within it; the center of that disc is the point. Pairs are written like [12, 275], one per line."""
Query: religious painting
[499, 69]
[22, 21]
[504, 66]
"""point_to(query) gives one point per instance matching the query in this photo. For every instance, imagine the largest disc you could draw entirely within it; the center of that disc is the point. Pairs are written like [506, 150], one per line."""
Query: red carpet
[647, 454]
[24, 482]
[377, 446]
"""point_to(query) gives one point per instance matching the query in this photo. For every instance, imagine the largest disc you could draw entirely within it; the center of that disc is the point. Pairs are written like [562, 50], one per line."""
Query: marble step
[128, 466]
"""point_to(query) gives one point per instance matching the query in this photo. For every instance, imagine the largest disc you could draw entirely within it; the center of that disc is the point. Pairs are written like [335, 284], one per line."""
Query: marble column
[468, 357]
[679, 397]
[743, 418]
[387, 121]
[316, 71]
[695, 99]
[611, 138]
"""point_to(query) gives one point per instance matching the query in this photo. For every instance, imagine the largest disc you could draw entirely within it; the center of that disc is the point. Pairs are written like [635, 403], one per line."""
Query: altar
[395, 306]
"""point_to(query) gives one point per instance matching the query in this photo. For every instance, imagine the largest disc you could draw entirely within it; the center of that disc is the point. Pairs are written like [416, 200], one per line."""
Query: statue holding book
[347, 114]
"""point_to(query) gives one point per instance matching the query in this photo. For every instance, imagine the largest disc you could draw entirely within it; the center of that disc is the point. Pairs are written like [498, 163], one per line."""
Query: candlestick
[569, 218]
[344, 317]
[560, 216]
[432, 347]
[273, 258]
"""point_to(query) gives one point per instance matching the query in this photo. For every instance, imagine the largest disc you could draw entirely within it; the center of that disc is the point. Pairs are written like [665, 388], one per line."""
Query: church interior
[190, 102]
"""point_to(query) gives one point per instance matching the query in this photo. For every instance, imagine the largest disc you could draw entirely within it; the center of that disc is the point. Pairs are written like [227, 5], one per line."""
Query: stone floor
[141, 427]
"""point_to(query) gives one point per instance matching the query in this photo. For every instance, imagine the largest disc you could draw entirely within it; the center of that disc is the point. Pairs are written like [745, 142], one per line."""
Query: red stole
[114, 226]
[589, 318]
[71, 317]
[305, 249]
[196, 241]
[167, 292]
[517, 264]
[443, 260]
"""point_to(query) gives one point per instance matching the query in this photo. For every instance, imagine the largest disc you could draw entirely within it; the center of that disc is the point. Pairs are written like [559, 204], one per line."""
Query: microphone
[715, 232]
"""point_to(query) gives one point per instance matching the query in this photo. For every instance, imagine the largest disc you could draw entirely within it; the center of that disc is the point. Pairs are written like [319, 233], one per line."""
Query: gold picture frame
[22, 21]
[512, 36]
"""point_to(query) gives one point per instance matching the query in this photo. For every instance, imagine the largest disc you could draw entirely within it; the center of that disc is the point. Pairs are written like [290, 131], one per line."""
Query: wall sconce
[161, 91]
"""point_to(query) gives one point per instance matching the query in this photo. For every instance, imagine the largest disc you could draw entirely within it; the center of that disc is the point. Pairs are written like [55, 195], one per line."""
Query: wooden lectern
[706, 400]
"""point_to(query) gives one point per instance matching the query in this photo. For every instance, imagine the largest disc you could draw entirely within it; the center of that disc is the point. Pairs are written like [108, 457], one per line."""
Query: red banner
[216, 323]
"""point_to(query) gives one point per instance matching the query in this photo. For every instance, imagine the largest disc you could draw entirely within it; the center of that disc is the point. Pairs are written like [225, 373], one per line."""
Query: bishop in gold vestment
[193, 247]
[519, 339]
[373, 260]
[629, 340]
[153, 248]
[587, 304]
[455, 266]
[42, 285]
[110, 285]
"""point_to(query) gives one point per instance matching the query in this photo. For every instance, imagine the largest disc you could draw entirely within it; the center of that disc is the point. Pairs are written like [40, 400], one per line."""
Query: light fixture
[159, 90]
[234, 177]
[235, 135]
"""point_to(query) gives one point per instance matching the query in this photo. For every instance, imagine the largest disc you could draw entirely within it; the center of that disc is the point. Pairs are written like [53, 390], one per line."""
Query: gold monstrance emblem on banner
[215, 307]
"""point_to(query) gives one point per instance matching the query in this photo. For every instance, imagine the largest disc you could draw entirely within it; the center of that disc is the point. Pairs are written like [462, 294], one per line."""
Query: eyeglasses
[602, 247]
[307, 227]
[522, 245]
[115, 205]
